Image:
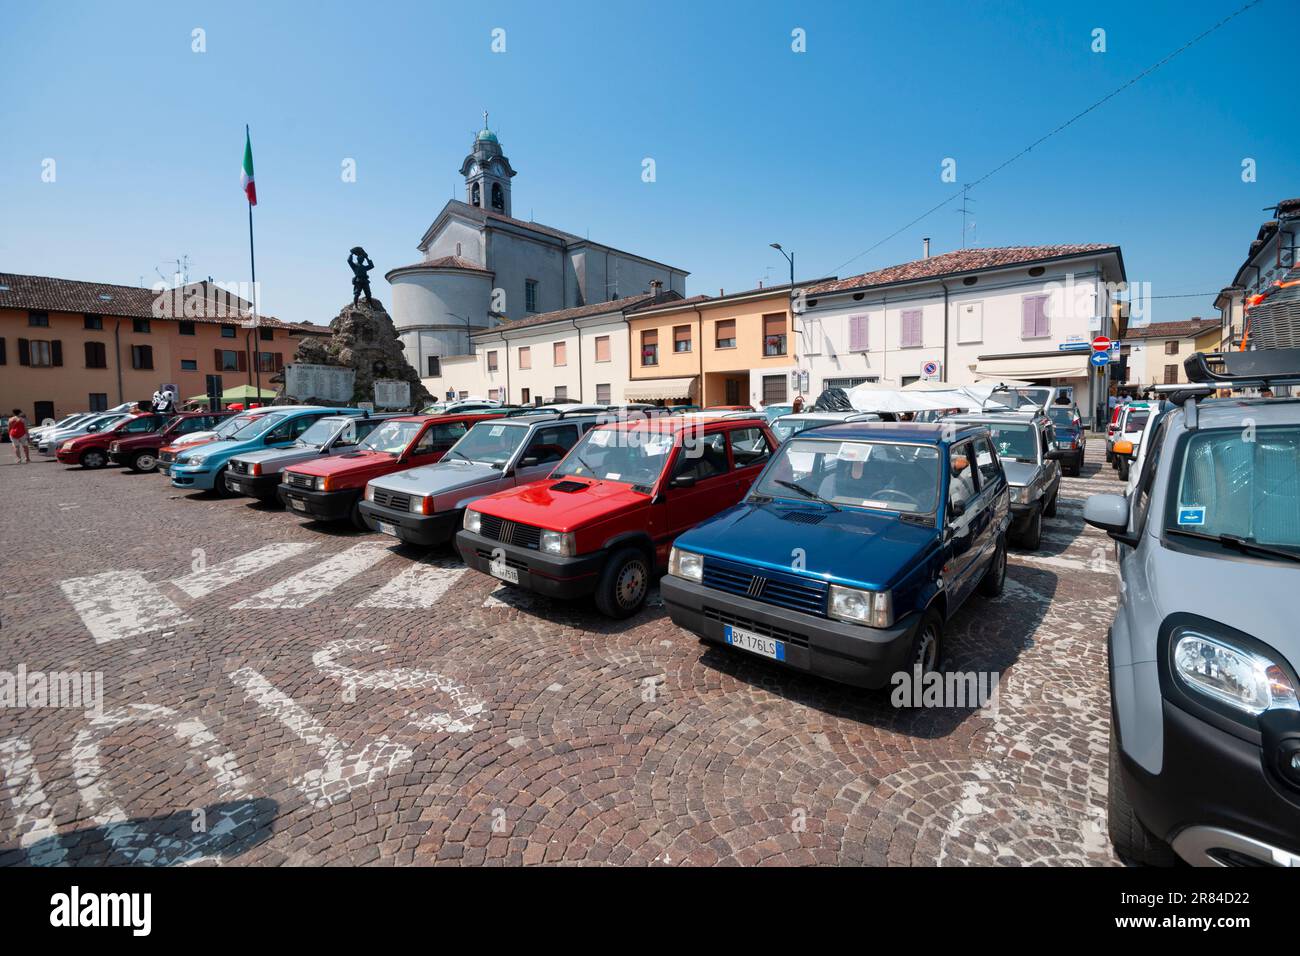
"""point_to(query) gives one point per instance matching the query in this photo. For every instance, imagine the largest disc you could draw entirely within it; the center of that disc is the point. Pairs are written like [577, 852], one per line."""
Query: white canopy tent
[925, 396]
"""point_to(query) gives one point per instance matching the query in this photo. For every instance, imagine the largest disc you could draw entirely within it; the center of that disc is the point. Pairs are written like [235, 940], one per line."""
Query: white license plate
[387, 528]
[504, 572]
[162, 470]
[297, 504]
[754, 643]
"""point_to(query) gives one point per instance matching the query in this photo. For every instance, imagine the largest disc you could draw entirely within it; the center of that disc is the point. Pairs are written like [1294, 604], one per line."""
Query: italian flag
[246, 175]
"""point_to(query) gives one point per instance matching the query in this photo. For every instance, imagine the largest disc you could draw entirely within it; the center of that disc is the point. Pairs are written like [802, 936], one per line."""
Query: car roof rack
[1257, 368]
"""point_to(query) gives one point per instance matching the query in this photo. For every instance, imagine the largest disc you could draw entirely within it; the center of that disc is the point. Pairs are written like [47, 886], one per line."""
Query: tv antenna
[965, 212]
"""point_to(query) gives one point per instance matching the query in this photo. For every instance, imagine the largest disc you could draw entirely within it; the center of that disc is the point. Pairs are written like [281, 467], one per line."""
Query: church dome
[487, 136]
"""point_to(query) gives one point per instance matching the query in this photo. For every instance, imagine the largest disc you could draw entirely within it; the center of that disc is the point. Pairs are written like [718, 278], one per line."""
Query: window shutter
[911, 328]
[1028, 323]
[279, 361]
[56, 352]
[241, 362]
[858, 337]
[3, 357]
[216, 358]
[24, 353]
[90, 355]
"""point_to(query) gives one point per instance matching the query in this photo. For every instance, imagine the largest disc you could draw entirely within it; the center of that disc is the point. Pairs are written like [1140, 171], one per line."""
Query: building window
[38, 320]
[4, 358]
[525, 396]
[681, 338]
[189, 365]
[266, 334]
[268, 362]
[909, 333]
[774, 389]
[859, 332]
[848, 383]
[94, 322]
[561, 353]
[435, 366]
[498, 198]
[96, 355]
[142, 356]
[229, 360]
[1034, 323]
[98, 402]
[1171, 347]
[39, 354]
[530, 295]
[228, 332]
[774, 334]
[1171, 374]
[561, 393]
[650, 347]
[185, 328]
[494, 394]
[474, 195]
[602, 395]
[140, 325]
[492, 361]
[970, 322]
[909, 379]
[726, 334]
[525, 356]
[602, 348]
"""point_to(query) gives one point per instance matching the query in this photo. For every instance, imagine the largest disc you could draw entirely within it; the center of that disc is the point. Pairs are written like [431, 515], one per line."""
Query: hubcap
[146, 462]
[631, 584]
[94, 460]
[928, 651]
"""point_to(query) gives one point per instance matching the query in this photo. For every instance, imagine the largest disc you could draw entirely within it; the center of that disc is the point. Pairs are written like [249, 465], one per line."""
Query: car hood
[856, 547]
[441, 476]
[215, 448]
[1019, 473]
[538, 504]
[349, 461]
[280, 456]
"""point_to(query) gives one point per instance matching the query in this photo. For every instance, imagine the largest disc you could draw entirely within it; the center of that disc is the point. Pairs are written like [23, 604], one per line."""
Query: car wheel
[1110, 458]
[219, 485]
[996, 575]
[623, 584]
[93, 459]
[357, 518]
[1132, 841]
[145, 461]
[1123, 469]
[927, 644]
[1032, 535]
[1050, 510]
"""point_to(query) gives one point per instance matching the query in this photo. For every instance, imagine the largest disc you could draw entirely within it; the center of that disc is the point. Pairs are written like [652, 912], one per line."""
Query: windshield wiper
[1237, 543]
[794, 486]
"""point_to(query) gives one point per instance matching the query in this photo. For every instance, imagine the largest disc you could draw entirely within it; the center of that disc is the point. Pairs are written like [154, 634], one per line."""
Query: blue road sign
[1099, 359]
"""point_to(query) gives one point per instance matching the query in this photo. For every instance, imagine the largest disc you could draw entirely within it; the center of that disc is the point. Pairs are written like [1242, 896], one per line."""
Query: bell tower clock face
[473, 169]
[498, 169]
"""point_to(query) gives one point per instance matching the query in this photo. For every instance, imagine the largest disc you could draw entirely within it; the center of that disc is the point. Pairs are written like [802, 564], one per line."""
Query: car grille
[167, 456]
[239, 467]
[510, 532]
[771, 587]
[300, 481]
[391, 499]
[767, 630]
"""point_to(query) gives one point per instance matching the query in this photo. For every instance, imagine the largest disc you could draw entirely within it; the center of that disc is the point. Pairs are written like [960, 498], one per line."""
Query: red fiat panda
[603, 522]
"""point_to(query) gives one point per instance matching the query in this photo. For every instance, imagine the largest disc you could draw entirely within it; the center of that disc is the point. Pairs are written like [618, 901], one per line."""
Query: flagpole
[252, 264]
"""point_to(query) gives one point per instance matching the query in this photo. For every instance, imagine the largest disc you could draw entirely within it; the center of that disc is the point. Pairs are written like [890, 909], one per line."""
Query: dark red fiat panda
[603, 522]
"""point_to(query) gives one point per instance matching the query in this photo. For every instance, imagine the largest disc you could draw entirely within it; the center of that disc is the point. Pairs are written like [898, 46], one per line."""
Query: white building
[1021, 312]
[1156, 351]
[1272, 254]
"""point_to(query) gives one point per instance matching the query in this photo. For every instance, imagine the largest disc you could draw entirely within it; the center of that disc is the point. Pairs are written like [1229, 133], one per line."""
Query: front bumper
[848, 653]
[261, 487]
[194, 479]
[425, 530]
[1212, 785]
[548, 574]
[69, 457]
[321, 505]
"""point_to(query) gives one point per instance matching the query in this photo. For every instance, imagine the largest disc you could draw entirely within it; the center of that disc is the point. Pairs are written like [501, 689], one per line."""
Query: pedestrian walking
[18, 436]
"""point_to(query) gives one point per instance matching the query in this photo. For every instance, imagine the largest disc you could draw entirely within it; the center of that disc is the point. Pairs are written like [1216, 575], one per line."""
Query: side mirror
[1056, 454]
[92, 428]
[1110, 514]
[957, 507]
[1122, 447]
[529, 461]
[683, 481]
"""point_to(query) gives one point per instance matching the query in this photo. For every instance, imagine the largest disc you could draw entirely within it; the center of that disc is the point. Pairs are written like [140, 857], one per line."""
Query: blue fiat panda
[852, 550]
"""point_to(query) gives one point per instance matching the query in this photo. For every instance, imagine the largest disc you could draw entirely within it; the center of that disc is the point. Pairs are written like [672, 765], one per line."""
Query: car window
[986, 463]
[882, 476]
[1136, 420]
[749, 447]
[287, 431]
[1147, 479]
[137, 426]
[635, 456]
[1015, 441]
[551, 443]
[187, 425]
[703, 459]
[446, 434]
[961, 473]
[392, 437]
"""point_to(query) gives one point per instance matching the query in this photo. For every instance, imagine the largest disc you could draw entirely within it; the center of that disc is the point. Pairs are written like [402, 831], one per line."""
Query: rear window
[1136, 421]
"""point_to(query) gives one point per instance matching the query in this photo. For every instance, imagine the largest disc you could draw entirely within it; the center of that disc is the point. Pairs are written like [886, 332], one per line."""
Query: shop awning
[656, 389]
[1057, 365]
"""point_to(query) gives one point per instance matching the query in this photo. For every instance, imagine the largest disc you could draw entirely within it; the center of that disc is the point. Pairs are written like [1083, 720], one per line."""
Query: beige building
[1272, 254]
[1156, 351]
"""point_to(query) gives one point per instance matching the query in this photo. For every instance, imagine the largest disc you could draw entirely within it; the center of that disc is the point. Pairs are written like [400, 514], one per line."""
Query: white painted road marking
[119, 604]
[202, 583]
[418, 587]
[342, 772]
[318, 580]
[33, 815]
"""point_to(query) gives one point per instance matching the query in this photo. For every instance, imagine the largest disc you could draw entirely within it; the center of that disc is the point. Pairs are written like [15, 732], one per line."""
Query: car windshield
[321, 431]
[883, 476]
[1246, 485]
[784, 428]
[232, 425]
[635, 456]
[1034, 396]
[1015, 441]
[391, 437]
[1062, 415]
[491, 443]
[258, 426]
[1136, 420]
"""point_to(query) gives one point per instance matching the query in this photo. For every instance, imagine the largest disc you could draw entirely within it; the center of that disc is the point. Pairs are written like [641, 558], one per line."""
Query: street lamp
[789, 258]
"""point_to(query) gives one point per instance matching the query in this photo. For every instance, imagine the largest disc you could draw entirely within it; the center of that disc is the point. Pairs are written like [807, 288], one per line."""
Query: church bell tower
[487, 173]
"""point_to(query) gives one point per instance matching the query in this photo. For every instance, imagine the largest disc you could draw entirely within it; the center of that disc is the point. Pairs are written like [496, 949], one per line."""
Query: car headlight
[193, 460]
[255, 468]
[369, 493]
[473, 521]
[114, 447]
[1019, 494]
[1232, 675]
[686, 564]
[421, 504]
[873, 608]
[556, 542]
[319, 484]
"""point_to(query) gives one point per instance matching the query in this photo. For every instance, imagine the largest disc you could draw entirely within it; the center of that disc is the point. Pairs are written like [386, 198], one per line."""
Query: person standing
[18, 436]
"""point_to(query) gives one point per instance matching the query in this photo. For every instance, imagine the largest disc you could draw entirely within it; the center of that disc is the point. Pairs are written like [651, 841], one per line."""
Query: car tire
[1123, 469]
[1132, 841]
[1050, 510]
[356, 517]
[144, 462]
[996, 576]
[623, 584]
[927, 644]
[1110, 458]
[93, 459]
[219, 485]
[1032, 535]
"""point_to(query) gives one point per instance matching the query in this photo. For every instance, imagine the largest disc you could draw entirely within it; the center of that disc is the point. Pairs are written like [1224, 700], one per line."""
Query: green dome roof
[486, 135]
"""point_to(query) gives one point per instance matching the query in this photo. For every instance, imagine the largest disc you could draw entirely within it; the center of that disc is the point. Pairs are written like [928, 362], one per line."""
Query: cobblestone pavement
[283, 692]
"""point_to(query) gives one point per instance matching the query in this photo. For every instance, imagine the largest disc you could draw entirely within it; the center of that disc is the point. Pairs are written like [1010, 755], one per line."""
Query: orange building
[736, 349]
[68, 346]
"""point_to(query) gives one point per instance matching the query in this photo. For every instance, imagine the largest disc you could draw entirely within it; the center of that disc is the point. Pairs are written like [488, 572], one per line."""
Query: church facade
[481, 267]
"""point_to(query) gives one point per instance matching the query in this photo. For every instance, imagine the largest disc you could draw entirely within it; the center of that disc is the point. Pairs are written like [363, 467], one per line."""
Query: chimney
[925, 248]
[656, 288]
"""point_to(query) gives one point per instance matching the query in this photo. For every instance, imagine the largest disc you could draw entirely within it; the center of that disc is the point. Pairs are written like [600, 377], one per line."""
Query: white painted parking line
[341, 772]
[33, 815]
[203, 582]
[318, 580]
[120, 604]
[419, 586]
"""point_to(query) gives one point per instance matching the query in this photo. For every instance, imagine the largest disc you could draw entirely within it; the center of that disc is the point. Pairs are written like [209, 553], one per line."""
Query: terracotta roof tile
[1172, 330]
[625, 304]
[446, 262]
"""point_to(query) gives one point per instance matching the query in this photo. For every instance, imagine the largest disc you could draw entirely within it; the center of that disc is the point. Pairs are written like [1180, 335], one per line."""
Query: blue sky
[827, 151]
